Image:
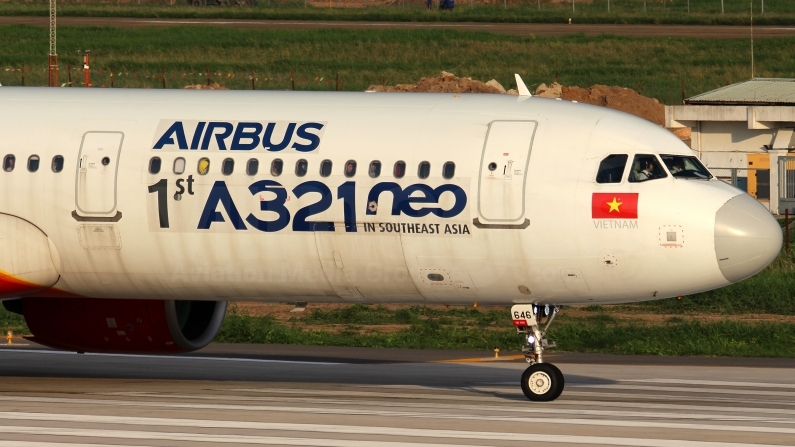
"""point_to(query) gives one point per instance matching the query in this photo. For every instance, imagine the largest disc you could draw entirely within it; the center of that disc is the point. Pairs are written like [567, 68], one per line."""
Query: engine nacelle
[121, 326]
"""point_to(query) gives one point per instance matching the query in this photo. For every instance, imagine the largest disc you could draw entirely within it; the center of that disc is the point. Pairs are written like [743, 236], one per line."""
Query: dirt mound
[444, 83]
[618, 98]
[213, 86]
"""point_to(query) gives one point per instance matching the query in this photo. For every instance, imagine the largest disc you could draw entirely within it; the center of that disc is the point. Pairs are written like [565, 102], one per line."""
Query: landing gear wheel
[542, 382]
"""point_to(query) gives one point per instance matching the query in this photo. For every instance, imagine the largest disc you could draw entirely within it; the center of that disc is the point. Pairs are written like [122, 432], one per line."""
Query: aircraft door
[97, 169]
[365, 265]
[503, 172]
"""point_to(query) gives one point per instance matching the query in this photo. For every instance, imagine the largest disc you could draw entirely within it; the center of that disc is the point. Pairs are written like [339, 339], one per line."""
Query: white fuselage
[523, 232]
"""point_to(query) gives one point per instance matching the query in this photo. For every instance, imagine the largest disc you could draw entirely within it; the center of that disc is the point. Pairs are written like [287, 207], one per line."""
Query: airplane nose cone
[747, 238]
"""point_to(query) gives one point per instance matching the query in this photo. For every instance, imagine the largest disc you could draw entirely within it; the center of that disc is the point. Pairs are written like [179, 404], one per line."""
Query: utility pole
[52, 58]
[86, 69]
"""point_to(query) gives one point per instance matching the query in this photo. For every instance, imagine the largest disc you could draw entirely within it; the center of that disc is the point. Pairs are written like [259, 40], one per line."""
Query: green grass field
[702, 12]
[362, 58]
[599, 333]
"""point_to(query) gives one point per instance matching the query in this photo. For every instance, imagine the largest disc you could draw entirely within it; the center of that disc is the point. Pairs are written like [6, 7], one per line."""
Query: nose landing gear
[541, 382]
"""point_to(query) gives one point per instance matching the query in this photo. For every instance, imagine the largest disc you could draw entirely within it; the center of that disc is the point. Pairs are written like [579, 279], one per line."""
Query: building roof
[757, 91]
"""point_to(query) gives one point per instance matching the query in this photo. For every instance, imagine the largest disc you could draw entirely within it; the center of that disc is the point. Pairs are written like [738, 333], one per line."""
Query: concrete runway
[521, 29]
[236, 395]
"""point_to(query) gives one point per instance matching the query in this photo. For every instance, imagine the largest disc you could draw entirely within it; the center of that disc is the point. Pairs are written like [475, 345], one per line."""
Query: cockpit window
[611, 169]
[646, 167]
[686, 167]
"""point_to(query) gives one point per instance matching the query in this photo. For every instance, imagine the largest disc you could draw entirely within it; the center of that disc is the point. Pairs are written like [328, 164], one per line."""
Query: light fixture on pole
[52, 58]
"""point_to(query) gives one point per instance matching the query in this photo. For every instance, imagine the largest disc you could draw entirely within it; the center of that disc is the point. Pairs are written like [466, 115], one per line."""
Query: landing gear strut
[541, 382]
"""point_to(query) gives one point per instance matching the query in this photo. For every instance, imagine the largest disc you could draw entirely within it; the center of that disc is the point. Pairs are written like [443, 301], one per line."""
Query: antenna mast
[52, 58]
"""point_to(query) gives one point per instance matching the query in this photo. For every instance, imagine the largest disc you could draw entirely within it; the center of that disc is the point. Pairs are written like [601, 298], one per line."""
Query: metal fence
[786, 183]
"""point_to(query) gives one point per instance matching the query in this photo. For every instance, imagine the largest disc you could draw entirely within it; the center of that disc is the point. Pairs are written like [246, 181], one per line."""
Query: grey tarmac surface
[235, 395]
[521, 29]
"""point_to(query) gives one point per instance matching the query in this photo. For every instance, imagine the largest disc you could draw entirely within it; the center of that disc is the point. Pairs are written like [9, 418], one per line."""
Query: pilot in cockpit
[646, 173]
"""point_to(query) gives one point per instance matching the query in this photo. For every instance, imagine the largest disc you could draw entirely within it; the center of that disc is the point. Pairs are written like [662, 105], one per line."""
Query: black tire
[542, 382]
[561, 382]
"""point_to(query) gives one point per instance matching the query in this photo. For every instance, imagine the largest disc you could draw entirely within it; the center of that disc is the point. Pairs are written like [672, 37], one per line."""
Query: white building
[744, 133]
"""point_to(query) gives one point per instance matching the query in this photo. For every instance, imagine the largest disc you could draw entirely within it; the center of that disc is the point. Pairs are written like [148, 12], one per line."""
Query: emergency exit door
[503, 171]
[97, 169]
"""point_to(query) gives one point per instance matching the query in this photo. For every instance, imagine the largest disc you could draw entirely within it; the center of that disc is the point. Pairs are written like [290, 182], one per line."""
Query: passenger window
[57, 163]
[228, 167]
[646, 167]
[611, 169]
[448, 170]
[375, 169]
[252, 167]
[8, 163]
[154, 165]
[301, 167]
[276, 167]
[350, 168]
[424, 170]
[179, 165]
[203, 166]
[325, 168]
[33, 163]
[400, 169]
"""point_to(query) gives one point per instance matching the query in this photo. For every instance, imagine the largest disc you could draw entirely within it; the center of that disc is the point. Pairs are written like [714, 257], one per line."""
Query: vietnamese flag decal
[614, 205]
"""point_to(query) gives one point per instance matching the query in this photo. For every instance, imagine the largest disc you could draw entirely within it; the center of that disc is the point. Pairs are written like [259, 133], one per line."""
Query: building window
[276, 167]
[400, 169]
[204, 166]
[57, 163]
[375, 169]
[252, 167]
[424, 170]
[448, 170]
[154, 165]
[228, 167]
[179, 165]
[611, 169]
[350, 168]
[325, 168]
[301, 167]
[33, 163]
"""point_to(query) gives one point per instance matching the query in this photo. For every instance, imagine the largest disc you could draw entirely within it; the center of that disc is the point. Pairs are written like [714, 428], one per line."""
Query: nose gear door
[503, 172]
